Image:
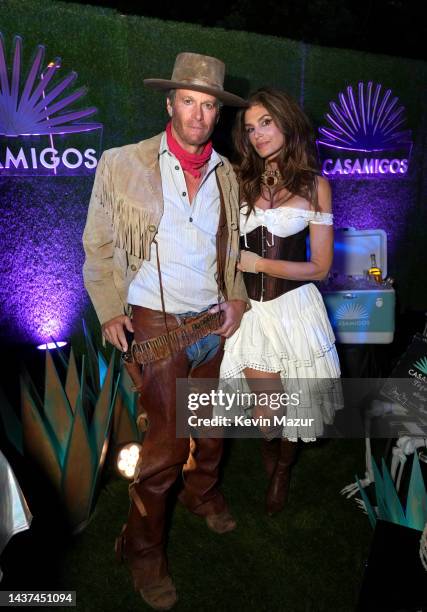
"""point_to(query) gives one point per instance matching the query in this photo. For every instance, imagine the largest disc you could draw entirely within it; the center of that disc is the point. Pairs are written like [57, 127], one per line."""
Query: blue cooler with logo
[360, 311]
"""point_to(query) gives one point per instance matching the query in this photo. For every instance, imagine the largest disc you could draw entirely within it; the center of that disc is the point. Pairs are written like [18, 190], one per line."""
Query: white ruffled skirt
[291, 335]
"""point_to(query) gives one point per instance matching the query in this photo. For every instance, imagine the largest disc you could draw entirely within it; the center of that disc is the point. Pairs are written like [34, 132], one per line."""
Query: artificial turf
[310, 558]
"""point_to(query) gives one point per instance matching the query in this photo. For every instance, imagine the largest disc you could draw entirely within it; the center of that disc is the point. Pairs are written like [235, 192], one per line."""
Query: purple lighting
[47, 314]
[42, 290]
[35, 110]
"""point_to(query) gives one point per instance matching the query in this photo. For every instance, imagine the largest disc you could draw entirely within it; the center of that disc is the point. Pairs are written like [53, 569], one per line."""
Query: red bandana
[191, 162]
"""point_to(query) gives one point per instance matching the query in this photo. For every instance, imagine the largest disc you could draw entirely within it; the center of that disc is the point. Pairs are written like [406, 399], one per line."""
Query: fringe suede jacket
[124, 213]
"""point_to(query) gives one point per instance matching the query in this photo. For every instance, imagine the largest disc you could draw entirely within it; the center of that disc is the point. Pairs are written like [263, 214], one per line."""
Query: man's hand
[114, 331]
[233, 313]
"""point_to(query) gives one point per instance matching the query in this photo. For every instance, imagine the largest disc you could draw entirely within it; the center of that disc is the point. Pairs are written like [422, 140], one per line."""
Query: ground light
[127, 459]
[51, 345]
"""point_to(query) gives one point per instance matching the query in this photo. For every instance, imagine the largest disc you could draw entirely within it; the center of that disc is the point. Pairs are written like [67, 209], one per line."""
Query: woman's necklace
[270, 177]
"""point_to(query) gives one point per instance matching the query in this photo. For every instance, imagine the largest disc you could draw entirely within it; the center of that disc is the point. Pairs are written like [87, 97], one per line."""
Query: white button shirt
[187, 243]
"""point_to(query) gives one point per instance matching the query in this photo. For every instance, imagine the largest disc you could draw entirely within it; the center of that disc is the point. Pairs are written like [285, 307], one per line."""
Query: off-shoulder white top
[282, 221]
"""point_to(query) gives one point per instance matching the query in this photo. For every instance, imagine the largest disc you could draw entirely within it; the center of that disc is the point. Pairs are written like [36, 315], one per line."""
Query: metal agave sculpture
[39, 107]
[68, 433]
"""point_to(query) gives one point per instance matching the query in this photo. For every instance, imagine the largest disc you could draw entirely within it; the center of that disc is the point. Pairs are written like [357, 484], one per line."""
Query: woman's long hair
[297, 159]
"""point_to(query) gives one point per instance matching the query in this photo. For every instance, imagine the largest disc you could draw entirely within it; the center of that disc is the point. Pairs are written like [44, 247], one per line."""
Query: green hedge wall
[113, 53]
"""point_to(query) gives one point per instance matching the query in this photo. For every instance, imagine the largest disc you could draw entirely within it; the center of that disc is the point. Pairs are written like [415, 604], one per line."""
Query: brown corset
[261, 241]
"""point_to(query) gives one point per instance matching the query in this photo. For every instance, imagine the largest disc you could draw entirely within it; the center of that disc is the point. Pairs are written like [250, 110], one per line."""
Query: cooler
[360, 311]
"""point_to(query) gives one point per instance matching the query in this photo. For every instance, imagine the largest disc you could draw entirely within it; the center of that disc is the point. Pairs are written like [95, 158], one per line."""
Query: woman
[286, 337]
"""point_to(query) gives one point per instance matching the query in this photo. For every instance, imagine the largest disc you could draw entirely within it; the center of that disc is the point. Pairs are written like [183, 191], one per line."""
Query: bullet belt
[165, 345]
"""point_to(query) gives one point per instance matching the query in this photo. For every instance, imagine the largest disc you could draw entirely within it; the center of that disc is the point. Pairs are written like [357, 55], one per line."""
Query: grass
[309, 558]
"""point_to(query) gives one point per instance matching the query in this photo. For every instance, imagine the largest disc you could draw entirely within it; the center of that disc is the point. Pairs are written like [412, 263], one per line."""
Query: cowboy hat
[198, 73]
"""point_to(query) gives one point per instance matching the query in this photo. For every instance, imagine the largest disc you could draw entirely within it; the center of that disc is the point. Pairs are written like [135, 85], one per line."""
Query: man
[161, 244]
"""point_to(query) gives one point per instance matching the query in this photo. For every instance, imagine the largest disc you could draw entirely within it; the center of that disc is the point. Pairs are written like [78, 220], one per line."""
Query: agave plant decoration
[69, 431]
[59, 434]
[389, 507]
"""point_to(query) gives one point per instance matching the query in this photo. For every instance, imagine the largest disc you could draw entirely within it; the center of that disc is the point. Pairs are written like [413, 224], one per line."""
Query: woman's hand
[248, 262]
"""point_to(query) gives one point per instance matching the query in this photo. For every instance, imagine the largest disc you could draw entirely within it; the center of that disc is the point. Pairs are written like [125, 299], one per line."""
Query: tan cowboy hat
[198, 73]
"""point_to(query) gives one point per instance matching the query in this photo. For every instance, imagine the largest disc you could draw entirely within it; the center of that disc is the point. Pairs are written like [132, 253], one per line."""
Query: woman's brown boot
[278, 490]
[270, 454]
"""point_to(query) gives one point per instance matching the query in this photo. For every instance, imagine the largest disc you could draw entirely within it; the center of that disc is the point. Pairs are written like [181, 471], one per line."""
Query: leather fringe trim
[130, 223]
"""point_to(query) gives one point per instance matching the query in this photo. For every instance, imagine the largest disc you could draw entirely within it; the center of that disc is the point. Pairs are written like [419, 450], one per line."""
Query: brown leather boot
[161, 596]
[278, 490]
[270, 454]
[221, 523]
[150, 576]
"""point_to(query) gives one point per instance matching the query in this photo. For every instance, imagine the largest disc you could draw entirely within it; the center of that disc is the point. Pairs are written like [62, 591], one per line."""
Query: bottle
[374, 272]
